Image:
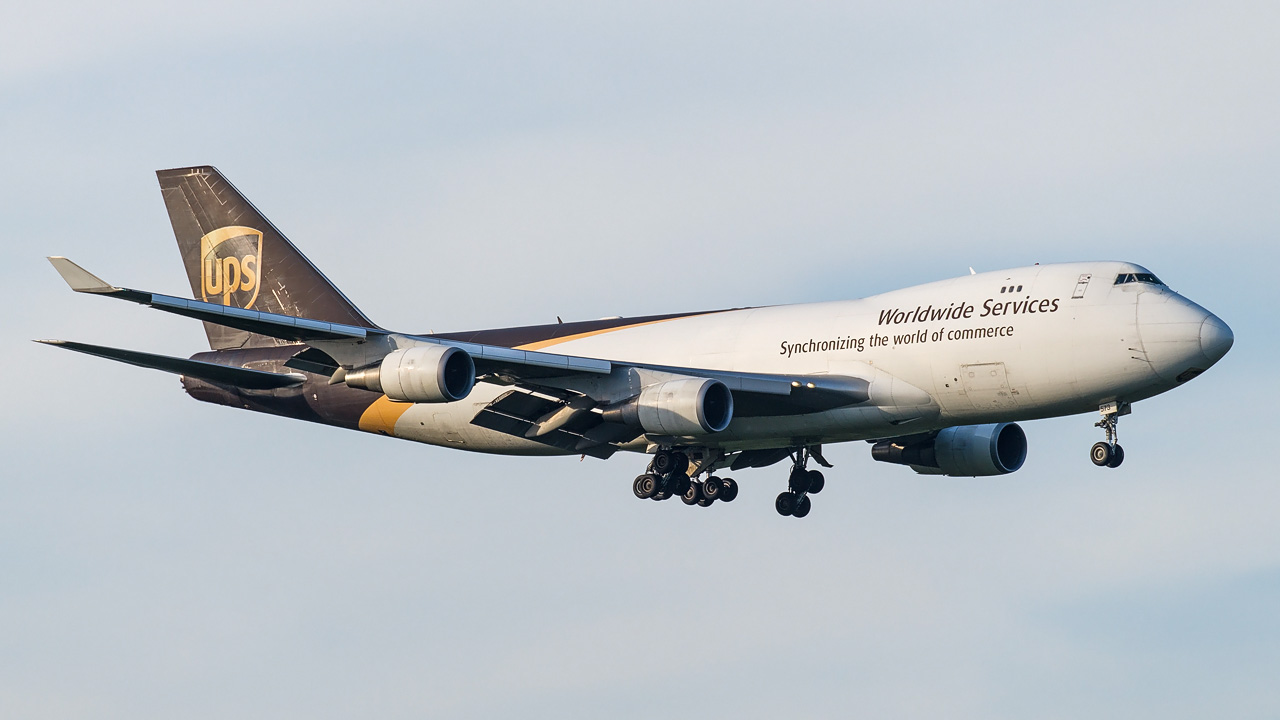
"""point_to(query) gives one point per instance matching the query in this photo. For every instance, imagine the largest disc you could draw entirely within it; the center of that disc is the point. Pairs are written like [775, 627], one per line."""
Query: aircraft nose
[1215, 338]
[1180, 338]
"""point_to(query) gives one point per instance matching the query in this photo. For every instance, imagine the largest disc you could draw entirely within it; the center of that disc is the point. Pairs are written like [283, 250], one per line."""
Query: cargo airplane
[933, 376]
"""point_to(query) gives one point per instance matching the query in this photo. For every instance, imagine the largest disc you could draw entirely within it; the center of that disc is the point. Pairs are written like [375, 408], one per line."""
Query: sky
[454, 166]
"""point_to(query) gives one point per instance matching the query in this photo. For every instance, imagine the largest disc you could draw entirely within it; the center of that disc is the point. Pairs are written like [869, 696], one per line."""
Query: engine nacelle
[967, 451]
[688, 406]
[422, 374]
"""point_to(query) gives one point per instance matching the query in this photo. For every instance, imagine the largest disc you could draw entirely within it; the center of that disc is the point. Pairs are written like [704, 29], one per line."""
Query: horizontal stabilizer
[212, 372]
[285, 327]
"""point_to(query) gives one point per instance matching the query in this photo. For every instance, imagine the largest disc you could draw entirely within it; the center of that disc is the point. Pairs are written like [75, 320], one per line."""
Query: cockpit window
[1123, 278]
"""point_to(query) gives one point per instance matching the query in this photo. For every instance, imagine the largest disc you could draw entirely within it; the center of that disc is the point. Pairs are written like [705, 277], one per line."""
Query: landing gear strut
[669, 476]
[801, 484]
[1109, 453]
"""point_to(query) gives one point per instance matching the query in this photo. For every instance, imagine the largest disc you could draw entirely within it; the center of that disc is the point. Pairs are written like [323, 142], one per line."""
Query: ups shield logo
[231, 266]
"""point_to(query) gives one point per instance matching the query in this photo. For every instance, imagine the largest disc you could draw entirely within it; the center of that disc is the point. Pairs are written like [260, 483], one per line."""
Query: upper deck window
[1123, 278]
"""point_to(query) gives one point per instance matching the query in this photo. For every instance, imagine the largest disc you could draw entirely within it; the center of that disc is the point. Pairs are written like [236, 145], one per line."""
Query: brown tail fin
[235, 256]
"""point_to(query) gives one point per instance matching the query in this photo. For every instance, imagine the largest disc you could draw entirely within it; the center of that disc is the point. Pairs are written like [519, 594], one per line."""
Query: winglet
[78, 278]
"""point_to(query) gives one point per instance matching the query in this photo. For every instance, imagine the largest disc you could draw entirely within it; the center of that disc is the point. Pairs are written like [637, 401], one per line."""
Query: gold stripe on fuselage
[382, 415]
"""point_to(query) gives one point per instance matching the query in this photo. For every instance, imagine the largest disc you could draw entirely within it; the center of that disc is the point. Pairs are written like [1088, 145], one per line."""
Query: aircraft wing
[213, 372]
[270, 324]
[557, 411]
[286, 327]
[562, 380]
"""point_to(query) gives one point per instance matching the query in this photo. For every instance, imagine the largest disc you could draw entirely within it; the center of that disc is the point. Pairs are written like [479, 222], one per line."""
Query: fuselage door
[1081, 285]
[987, 386]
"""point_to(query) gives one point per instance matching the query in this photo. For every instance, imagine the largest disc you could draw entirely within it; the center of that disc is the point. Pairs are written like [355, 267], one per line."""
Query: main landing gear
[1109, 453]
[668, 476]
[802, 483]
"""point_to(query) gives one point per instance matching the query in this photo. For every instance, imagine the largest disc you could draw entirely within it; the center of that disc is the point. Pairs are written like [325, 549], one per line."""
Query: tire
[693, 494]
[680, 462]
[705, 502]
[799, 481]
[796, 471]
[678, 484]
[645, 486]
[785, 504]
[816, 482]
[661, 495]
[712, 488]
[1117, 456]
[730, 490]
[663, 462]
[803, 507]
[1100, 454]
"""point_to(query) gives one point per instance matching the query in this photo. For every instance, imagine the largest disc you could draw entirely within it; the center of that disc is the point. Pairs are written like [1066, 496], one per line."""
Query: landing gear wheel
[785, 504]
[712, 488]
[800, 480]
[730, 490]
[693, 494]
[666, 462]
[678, 484]
[661, 495]
[1100, 454]
[645, 486]
[1117, 457]
[1109, 453]
[705, 502]
[803, 507]
[682, 462]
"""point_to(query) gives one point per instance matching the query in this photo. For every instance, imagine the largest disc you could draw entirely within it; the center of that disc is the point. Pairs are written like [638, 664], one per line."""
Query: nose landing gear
[801, 484]
[1109, 453]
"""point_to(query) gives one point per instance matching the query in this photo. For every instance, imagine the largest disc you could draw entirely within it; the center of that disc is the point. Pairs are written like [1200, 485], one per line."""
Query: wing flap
[525, 406]
[518, 413]
[562, 439]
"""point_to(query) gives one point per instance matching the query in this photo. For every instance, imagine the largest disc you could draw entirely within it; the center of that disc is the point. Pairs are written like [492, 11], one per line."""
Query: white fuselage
[1027, 343]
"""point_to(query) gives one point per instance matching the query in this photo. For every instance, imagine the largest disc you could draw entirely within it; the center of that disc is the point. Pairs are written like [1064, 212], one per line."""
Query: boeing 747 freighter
[935, 376]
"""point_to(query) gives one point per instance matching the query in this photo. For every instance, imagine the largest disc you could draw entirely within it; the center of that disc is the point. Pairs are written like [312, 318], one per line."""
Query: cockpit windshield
[1123, 278]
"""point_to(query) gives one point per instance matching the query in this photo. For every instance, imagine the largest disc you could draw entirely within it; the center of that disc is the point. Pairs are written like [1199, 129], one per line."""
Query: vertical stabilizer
[234, 256]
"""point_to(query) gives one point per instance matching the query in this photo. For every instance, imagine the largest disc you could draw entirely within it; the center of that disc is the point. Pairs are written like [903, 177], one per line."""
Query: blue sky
[453, 167]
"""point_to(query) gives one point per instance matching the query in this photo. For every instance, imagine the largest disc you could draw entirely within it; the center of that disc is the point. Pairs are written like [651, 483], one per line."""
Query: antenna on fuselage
[971, 272]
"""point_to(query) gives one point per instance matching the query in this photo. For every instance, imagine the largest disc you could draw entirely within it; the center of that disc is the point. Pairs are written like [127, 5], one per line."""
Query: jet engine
[964, 451]
[687, 406]
[422, 374]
